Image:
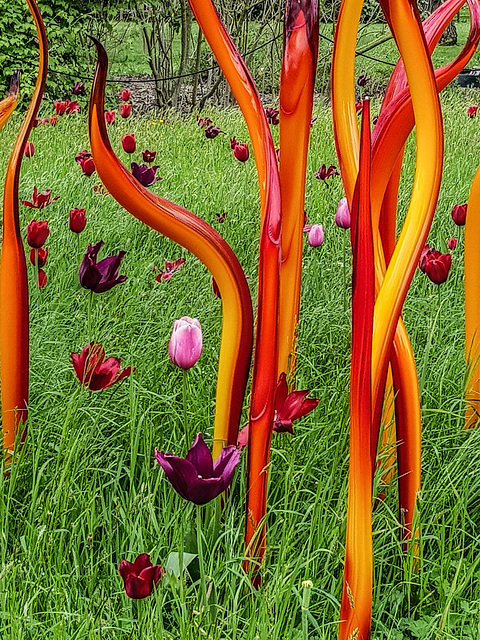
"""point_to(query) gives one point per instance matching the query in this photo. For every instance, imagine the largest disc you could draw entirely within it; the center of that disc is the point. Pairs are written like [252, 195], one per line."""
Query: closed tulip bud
[129, 143]
[125, 110]
[38, 255]
[87, 165]
[316, 235]
[125, 95]
[472, 111]
[109, 117]
[37, 233]
[78, 89]
[185, 346]
[452, 243]
[240, 151]
[342, 217]
[148, 156]
[459, 214]
[77, 220]
[53, 120]
[29, 149]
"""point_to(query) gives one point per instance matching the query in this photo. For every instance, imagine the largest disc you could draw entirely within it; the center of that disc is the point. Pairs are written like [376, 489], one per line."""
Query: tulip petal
[137, 588]
[228, 456]
[181, 473]
[141, 562]
[201, 457]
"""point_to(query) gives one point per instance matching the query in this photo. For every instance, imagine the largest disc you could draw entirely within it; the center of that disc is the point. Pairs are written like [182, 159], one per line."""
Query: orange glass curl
[14, 315]
[197, 236]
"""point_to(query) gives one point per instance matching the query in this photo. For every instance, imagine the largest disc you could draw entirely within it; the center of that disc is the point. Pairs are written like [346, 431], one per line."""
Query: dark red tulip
[233, 143]
[72, 107]
[434, 264]
[125, 95]
[41, 256]
[82, 155]
[129, 143]
[78, 89]
[29, 149]
[272, 115]
[240, 151]
[41, 278]
[109, 117]
[77, 220]
[53, 120]
[93, 371]
[148, 156]
[145, 175]
[104, 275]
[452, 243]
[37, 233]
[125, 110]
[40, 200]
[322, 173]
[358, 106]
[140, 578]
[363, 80]
[472, 111]
[87, 166]
[36, 122]
[212, 132]
[197, 478]
[170, 268]
[60, 107]
[204, 122]
[459, 214]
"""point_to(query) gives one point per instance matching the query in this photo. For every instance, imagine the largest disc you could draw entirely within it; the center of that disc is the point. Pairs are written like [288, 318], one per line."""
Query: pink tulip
[316, 235]
[342, 217]
[185, 346]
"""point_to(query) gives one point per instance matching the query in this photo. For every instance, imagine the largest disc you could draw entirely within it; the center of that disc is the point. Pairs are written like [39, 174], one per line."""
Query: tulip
[29, 149]
[358, 106]
[185, 346]
[363, 80]
[140, 578]
[109, 117]
[82, 155]
[240, 151]
[60, 108]
[197, 478]
[148, 156]
[41, 278]
[93, 371]
[72, 107]
[472, 111]
[44, 121]
[170, 268]
[342, 216]
[221, 217]
[125, 110]
[145, 175]
[37, 233]
[204, 122]
[322, 173]
[459, 214]
[40, 200]
[434, 264]
[39, 255]
[272, 115]
[212, 132]
[87, 166]
[77, 220]
[78, 89]
[102, 276]
[316, 234]
[53, 120]
[452, 243]
[129, 143]
[35, 123]
[125, 95]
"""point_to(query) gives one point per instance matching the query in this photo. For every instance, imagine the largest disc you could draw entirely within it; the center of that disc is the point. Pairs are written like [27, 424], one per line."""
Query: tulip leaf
[172, 565]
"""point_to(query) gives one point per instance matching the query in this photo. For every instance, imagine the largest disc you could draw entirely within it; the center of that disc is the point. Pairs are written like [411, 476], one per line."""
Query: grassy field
[85, 491]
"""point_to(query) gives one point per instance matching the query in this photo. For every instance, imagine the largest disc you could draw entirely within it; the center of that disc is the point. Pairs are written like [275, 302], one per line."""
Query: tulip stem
[201, 565]
[89, 316]
[185, 414]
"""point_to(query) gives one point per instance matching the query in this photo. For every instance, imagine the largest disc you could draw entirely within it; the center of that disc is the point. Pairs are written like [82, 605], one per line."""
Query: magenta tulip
[186, 342]
[140, 577]
[342, 216]
[272, 116]
[323, 173]
[212, 132]
[240, 151]
[170, 268]
[316, 234]
[78, 89]
[145, 175]
[197, 478]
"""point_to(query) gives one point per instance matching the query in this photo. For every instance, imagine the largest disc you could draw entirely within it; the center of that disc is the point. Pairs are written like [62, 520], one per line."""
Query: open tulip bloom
[140, 577]
[101, 276]
[93, 371]
[196, 477]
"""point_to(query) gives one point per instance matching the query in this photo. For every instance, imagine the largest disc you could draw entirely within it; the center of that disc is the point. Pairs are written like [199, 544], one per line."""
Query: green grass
[85, 492]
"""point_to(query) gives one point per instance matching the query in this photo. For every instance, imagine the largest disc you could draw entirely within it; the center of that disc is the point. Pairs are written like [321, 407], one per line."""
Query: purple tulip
[185, 346]
[145, 175]
[197, 478]
[342, 217]
[316, 234]
[102, 276]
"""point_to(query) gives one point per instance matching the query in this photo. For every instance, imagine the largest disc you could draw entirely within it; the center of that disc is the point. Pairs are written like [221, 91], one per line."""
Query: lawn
[85, 491]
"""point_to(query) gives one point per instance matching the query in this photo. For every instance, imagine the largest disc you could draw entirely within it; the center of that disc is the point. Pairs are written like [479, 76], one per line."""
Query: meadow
[84, 491]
